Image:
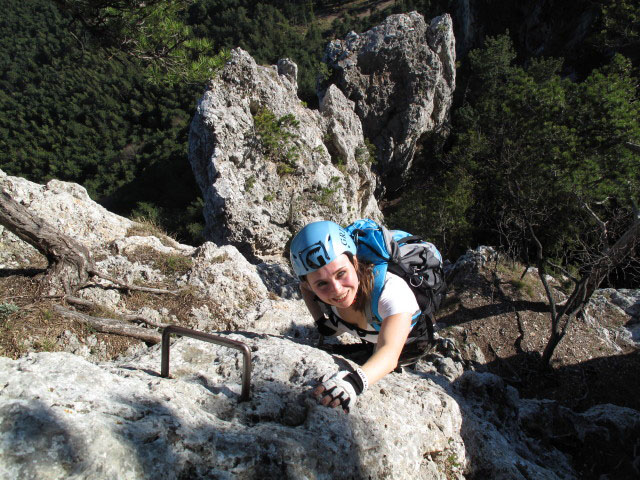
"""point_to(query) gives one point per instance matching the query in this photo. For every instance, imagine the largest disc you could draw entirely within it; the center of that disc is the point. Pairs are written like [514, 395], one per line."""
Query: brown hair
[365, 279]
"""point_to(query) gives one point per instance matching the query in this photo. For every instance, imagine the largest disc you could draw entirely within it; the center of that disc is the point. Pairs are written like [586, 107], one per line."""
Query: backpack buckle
[416, 280]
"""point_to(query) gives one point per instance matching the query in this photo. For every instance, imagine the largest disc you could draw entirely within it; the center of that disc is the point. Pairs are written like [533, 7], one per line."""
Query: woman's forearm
[393, 334]
[383, 361]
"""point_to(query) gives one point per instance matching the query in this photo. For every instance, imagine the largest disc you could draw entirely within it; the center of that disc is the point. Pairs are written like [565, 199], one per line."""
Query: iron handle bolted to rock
[187, 332]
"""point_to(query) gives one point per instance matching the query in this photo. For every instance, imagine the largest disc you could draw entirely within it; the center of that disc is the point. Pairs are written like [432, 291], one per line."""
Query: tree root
[126, 286]
[130, 318]
[109, 325]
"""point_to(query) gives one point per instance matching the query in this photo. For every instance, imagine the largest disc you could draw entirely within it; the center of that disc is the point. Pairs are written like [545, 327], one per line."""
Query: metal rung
[187, 332]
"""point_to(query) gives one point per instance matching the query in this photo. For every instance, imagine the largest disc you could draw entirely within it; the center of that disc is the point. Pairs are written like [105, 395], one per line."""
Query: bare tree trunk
[70, 262]
[586, 286]
[70, 267]
[109, 325]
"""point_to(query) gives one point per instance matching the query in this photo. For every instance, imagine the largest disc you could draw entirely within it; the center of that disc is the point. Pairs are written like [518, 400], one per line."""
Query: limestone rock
[63, 417]
[415, 424]
[223, 275]
[267, 165]
[401, 76]
[469, 263]
[68, 207]
[622, 300]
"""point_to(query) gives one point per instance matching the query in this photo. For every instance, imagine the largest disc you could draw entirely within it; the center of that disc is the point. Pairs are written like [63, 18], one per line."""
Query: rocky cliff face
[65, 416]
[401, 76]
[267, 165]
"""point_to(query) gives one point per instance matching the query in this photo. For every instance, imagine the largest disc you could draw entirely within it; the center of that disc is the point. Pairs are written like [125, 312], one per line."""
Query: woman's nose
[335, 285]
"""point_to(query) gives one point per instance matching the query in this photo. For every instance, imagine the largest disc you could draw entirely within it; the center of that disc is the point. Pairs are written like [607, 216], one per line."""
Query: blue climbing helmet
[318, 244]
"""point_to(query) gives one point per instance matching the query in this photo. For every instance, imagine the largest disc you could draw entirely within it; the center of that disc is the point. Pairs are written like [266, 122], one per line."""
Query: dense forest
[546, 110]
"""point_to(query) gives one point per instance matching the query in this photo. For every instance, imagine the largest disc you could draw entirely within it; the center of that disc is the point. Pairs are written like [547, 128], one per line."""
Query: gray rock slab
[401, 77]
[63, 417]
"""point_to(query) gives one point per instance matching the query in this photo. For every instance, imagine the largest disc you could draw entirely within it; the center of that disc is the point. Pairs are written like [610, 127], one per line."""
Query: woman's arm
[393, 333]
[308, 296]
[391, 339]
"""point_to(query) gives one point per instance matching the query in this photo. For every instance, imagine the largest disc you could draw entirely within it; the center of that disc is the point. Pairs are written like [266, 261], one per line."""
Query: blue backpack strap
[379, 277]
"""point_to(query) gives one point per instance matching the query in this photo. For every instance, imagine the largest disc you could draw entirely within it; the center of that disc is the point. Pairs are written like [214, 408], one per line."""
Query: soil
[29, 322]
[507, 317]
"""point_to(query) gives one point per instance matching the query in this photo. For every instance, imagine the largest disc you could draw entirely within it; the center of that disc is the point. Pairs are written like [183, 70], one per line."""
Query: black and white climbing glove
[341, 388]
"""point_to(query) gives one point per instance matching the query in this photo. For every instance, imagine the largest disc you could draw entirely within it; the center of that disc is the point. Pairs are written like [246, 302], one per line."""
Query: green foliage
[523, 287]
[78, 115]
[326, 195]
[366, 154]
[276, 136]
[153, 32]
[146, 212]
[529, 149]
[541, 148]
[438, 210]
[268, 31]
[7, 309]
[620, 24]
[72, 111]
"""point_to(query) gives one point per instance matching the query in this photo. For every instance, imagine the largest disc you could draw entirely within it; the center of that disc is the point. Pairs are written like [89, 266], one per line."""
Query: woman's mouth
[341, 298]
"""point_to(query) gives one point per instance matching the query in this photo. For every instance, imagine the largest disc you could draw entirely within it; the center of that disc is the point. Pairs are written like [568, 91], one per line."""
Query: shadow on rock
[589, 411]
[278, 280]
[495, 444]
[37, 443]
[581, 386]
[463, 315]
[278, 433]
[23, 272]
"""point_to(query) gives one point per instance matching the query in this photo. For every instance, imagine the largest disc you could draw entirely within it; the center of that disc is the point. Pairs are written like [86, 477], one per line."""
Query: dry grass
[31, 324]
[144, 227]
[170, 265]
[179, 306]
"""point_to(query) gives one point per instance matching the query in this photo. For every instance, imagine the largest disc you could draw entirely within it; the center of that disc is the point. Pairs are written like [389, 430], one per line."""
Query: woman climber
[338, 288]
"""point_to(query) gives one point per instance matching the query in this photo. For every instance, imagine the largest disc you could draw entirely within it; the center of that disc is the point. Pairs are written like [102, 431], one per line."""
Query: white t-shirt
[396, 297]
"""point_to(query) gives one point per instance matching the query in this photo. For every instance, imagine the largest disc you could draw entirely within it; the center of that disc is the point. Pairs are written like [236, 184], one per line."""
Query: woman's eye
[340, 274]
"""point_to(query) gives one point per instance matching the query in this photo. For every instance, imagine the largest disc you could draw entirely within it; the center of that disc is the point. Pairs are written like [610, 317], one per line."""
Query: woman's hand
[341, 389]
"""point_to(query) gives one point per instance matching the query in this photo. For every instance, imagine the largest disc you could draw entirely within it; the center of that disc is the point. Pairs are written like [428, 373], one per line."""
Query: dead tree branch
[130, 318]
[109, 325]
[590, 281]
[70, 262]
[70, 268]
[126, 286]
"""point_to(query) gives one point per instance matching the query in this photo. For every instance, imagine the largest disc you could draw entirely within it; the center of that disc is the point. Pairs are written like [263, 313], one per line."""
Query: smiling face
[336, 283]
